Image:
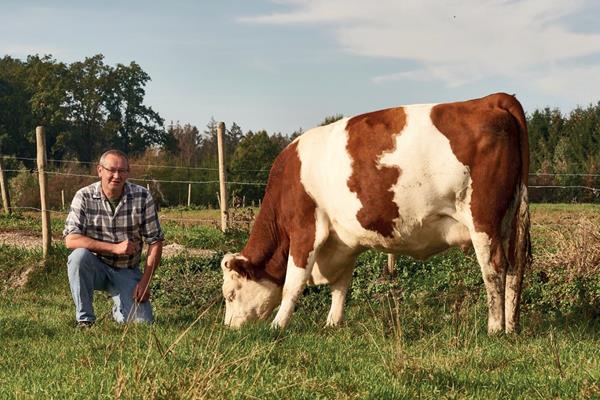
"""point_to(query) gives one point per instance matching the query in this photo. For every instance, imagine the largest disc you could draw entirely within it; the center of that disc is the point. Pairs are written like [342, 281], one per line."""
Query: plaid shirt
[134, 218]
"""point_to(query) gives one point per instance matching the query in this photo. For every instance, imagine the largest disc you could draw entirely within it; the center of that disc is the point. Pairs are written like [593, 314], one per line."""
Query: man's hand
[141, 293]
[126, 247]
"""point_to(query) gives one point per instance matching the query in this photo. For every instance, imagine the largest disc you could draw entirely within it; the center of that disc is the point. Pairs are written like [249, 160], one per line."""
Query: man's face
[113, 173]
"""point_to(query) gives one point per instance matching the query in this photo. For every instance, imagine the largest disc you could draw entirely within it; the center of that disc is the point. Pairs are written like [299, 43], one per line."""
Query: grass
[425, 337]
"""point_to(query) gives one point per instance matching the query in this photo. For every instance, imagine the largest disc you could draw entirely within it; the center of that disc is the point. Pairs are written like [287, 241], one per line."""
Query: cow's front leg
[338, 297]
[301, 261]
[295, 281]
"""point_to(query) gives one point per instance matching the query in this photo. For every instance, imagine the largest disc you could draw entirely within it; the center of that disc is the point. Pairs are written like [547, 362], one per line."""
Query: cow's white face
[245, 299]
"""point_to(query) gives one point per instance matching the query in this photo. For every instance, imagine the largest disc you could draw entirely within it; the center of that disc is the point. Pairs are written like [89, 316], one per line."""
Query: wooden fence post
[41, 165]
[189, 194]
[62, 198]
[390, 267]
[222, 176]
[4, 190]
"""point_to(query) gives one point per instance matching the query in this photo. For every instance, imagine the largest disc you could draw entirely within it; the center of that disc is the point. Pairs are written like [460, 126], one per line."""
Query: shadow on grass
[26, 329]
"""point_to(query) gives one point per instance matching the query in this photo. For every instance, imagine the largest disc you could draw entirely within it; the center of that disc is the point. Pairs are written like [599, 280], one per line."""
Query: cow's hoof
[277, 325]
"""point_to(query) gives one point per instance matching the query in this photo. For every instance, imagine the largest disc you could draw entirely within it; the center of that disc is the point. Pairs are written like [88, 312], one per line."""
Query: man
[105, 227]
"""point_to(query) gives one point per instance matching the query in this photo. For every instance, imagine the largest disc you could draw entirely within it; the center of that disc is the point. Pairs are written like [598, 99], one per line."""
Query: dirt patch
[19, 278]
[21, 239]
[31, 241]
[175, 249]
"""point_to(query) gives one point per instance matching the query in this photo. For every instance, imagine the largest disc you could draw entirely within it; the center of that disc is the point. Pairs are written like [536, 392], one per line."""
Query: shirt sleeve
[75, 222]
[150, 229]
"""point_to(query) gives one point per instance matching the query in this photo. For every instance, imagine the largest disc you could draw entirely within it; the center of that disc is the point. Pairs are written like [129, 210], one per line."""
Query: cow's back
[390, 180]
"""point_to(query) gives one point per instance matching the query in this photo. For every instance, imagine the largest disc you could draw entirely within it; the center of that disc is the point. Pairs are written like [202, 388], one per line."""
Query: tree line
[88, 106]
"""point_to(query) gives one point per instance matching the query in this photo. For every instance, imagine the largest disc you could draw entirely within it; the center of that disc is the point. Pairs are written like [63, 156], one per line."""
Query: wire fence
[171, 185]
[176, 185]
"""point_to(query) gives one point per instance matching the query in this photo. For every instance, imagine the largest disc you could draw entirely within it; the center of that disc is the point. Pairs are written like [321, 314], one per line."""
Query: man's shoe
[84, 324]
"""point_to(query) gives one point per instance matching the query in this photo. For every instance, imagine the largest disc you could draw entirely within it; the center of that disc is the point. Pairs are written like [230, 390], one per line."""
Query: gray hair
[113, 152]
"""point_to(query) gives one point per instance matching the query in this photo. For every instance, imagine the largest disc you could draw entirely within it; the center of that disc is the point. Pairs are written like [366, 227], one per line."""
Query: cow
[413, 180]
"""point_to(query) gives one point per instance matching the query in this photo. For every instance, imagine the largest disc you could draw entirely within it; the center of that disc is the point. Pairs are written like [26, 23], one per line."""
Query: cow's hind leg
[514, 283]
[339, 289]
[490, 256]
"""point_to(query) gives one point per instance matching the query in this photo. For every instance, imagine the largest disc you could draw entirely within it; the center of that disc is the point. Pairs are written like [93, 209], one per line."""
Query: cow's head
[247, 297]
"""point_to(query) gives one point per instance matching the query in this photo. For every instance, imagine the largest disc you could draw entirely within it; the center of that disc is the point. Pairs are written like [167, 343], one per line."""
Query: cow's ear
[226, 262]
[242, 267]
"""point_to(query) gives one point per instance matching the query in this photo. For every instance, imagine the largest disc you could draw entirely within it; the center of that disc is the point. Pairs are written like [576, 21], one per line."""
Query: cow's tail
[519, 249]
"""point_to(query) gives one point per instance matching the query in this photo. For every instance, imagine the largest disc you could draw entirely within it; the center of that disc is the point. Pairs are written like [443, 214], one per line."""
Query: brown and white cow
[413, 180]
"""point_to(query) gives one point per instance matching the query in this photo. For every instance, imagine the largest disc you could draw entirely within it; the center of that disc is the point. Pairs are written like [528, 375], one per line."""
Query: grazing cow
[410, 180]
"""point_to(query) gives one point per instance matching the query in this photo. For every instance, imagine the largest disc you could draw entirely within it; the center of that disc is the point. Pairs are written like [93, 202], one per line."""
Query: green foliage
[420, 335]
[188, 282]
[25, 190]
[252, 161]
[331, 119]
[565, 144]
[86, 107]
[205, 237]
[409, 349]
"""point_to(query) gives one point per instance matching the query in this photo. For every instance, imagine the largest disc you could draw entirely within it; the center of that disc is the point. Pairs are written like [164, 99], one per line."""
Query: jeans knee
[78, 258]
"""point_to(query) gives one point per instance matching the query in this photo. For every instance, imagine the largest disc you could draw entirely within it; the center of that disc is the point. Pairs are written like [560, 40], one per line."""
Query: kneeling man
[105, 227]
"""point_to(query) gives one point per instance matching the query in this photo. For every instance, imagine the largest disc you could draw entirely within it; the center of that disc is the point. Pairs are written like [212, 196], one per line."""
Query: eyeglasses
[114, 171]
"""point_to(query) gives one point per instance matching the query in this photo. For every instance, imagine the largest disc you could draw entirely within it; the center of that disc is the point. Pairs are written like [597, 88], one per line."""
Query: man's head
[113, 170]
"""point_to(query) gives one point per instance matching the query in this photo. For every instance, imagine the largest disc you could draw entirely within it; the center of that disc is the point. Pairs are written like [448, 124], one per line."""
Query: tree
[233, 136]
[15, 109]
[137, 126]
[331, 119]
[186, 139]
[47, 87]
[86, 91]
[252, 161]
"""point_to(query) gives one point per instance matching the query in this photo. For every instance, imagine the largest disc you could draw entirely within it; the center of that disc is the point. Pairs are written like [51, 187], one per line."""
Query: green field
[420, 335]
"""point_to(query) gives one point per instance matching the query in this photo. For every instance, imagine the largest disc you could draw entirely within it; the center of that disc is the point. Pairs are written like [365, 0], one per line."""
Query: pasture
[421, 334]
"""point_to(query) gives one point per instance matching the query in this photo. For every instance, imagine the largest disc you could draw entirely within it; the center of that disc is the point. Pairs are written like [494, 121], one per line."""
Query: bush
[565, 276]
[25, 189]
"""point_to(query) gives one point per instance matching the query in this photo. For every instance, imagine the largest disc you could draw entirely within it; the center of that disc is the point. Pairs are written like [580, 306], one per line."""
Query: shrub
[565, 276]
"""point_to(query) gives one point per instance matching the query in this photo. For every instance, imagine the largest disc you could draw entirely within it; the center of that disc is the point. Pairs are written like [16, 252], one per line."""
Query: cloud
[579, 85]
[457, 41]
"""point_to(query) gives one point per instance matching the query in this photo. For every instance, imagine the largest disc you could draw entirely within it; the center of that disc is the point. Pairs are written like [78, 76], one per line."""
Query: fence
[43, 174]
[543, 187]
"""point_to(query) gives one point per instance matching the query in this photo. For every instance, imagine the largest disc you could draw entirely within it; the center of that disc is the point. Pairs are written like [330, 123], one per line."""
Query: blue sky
[284, 64]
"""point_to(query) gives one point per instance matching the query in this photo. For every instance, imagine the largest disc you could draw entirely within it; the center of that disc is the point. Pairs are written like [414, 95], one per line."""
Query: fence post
[62, 198]
[41, 165]
[4, 189]
[189, 194]
[222, 176]
[390, 268]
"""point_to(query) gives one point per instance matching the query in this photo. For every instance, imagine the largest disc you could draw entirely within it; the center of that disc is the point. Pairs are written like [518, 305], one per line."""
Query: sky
[281, 65]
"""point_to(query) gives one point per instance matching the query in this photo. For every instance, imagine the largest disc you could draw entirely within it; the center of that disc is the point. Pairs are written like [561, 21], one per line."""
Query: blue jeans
[87, 273]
